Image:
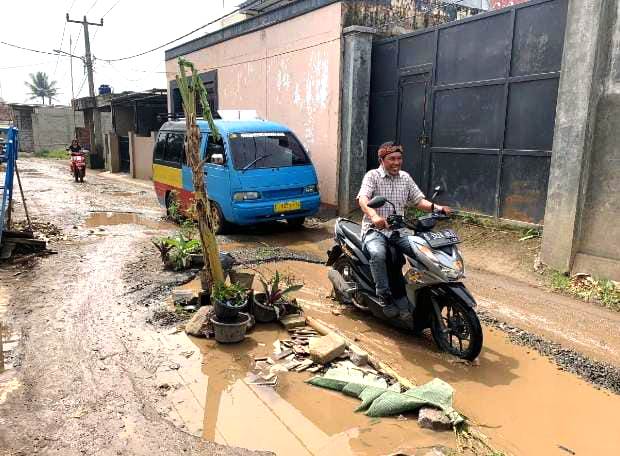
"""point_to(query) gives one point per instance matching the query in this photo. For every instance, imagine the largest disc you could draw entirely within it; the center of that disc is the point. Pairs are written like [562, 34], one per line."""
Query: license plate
[440, 238]
[287, 206]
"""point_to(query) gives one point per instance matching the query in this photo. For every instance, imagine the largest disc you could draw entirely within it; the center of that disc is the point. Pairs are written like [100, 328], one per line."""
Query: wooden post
[1, 349]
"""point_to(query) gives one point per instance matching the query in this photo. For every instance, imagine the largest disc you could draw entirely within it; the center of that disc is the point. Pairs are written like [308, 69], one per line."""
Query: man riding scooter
[78, 160]
[391, 182]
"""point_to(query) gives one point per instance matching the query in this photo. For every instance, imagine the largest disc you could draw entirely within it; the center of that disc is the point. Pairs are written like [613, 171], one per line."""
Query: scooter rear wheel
[459, 332]
[343, 266]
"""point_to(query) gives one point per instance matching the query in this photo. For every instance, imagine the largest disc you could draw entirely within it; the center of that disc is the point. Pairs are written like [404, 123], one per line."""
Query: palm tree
[40, 86]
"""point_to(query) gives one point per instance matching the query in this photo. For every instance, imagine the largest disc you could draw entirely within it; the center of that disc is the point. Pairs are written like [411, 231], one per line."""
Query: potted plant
[271, 303]
[228, 300]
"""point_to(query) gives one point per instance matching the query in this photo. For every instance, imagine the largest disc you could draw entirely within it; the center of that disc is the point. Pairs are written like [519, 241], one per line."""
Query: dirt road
[82, 354]
[89, 375]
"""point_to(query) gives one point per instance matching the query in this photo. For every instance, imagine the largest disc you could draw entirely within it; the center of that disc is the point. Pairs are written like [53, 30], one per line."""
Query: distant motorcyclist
[398, 187]
[75, 147]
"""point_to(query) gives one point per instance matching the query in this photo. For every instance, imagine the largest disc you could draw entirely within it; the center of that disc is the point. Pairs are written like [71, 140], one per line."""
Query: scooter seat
[353, 232]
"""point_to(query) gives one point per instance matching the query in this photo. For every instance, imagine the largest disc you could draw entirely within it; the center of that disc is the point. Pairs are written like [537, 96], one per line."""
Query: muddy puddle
[212, 397]
[520, 400]
[102, 219]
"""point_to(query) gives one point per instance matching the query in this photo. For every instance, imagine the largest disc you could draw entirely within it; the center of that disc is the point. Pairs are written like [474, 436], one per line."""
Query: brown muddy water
[520, 400]
[98, 219]
[212, 399]
[516, 397]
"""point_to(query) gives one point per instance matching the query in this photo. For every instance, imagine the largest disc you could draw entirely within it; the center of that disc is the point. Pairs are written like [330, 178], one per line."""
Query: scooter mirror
[437, 191]
[377, 202]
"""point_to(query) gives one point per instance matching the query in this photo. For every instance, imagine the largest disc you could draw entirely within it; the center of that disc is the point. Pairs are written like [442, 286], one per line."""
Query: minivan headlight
[311, 188]
[244, 196]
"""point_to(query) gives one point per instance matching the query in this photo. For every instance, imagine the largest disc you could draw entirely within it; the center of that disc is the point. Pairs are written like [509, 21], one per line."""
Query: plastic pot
[225, 311]
[230, 332]
[262, 312]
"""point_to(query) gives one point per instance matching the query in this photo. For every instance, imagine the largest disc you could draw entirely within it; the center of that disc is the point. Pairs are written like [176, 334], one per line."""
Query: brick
[327, 348]
[434, 419]
[357, 356]
[293, 321]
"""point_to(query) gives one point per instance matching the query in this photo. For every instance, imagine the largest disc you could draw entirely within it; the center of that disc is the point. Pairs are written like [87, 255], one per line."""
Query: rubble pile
[308, 351]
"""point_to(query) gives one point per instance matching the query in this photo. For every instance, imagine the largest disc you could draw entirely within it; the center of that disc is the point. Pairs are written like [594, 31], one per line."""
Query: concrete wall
[23, 121]
[290, 73]
[53, 127]
[141, 155]
[581, 229]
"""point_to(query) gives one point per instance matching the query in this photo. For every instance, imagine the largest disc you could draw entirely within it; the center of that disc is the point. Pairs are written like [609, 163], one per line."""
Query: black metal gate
[473, 102]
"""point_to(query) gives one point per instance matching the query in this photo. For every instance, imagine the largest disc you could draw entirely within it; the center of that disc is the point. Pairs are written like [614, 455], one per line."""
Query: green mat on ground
[379, 400]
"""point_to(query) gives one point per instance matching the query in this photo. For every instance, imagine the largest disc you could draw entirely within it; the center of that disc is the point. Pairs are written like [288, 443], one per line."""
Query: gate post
[586, 46]
[354, 102]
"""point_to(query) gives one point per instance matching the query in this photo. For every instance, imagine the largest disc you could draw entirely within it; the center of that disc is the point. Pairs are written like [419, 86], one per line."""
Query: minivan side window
[174, 148]
[160, 146]
[214, 147]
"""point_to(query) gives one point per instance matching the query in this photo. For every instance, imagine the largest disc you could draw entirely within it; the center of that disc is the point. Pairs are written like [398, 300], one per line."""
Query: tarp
[379, 400]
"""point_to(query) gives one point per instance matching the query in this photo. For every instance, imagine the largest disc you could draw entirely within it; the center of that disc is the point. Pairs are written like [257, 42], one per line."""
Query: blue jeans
[376, 245]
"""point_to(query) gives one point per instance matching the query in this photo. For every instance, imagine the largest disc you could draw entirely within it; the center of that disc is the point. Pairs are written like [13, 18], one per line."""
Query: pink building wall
[289, 73]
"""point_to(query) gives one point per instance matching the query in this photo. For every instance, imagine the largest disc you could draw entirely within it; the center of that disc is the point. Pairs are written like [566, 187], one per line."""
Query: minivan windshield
[266, 150]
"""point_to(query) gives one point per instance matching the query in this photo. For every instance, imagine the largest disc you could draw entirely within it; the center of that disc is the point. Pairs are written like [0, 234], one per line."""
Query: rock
[199, 322]
[327, 348]
[434, 419]
[293, 321]
[357, 356]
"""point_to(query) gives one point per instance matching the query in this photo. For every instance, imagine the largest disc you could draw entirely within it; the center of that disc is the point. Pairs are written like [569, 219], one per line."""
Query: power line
[181, 37]
[111, 8]
[25, 66]
[92, 6]
[29, 49]
[81, 87]
[62, 39]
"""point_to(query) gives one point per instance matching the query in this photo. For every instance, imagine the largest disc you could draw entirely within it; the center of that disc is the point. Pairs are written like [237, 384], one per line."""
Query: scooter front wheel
[457, 329]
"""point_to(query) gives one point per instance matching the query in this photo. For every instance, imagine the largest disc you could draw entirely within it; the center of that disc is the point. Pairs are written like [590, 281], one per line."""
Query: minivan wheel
[219, 223]
[296, 222]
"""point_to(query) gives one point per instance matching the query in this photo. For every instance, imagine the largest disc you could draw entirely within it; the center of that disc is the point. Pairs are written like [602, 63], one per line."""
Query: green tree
[40, 86]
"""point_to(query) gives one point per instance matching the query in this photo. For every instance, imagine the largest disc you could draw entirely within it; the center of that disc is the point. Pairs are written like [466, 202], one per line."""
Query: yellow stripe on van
[167, 175]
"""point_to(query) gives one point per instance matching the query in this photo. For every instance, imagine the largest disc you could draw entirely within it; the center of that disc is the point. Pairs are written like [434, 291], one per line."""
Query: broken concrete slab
[199, 322]
[357, 356]
[434, 419]
[327, 348]
[293, 321]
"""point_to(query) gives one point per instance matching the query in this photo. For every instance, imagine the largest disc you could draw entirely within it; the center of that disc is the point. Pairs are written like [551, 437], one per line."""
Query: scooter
[431, 284]
[78, 165]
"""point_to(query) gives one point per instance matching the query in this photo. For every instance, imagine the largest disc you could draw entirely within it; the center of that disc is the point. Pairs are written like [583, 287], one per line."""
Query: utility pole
[95, 124]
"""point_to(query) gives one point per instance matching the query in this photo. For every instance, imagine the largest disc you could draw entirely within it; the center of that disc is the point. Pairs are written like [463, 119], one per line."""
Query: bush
[57, 154]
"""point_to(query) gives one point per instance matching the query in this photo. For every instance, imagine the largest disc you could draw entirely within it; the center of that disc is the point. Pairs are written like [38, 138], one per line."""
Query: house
[289, 61]
[44, 127]
[128, 122]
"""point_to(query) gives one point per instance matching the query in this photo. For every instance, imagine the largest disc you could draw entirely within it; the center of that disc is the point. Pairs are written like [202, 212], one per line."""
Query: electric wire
[181, 37]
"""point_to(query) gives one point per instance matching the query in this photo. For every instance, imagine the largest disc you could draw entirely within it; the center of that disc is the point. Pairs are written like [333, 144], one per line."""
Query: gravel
[602, 375]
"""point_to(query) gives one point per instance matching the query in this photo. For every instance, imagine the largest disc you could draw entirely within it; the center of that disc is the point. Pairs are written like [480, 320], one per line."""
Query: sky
[130, 27]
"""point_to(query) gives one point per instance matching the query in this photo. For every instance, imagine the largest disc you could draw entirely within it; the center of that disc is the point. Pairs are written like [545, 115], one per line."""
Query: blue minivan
[258, 171]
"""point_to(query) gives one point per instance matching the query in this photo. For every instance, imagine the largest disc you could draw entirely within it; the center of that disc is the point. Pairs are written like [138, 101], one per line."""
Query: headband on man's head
[389, 148]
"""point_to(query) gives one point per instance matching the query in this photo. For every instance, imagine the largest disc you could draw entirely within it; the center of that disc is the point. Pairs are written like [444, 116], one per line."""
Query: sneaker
[390, 310]
[405, 315]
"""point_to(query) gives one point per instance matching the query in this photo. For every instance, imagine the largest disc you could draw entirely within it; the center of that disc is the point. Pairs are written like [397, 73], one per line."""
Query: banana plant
[191, 88]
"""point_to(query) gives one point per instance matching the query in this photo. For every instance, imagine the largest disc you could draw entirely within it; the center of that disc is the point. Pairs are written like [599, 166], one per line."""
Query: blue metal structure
[8, 156]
